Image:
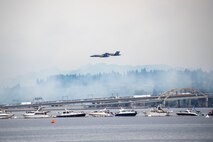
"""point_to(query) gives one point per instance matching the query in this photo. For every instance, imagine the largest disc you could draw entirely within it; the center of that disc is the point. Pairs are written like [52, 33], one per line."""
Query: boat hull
[186, 114]
[72, 115]
[210, 114]
[6, 116]
[126, 114]
[155, 114]
[100, 115]
[36, 116]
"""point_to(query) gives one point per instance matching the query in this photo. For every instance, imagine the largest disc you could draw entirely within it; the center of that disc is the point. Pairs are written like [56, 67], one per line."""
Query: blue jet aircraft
[105, 55]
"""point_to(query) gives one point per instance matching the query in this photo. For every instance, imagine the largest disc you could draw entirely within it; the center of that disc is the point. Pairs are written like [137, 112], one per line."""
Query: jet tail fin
[117, 53]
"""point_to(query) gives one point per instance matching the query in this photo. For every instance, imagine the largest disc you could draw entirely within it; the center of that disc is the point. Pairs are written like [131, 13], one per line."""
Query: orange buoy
[53, 121]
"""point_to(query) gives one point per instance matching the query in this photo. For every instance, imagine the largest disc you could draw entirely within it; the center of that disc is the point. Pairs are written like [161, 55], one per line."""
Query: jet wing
[101, 56]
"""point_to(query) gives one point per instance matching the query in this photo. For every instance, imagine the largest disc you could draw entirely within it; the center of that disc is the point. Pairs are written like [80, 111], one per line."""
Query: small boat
[39, 113]
[101, 113]
[189, 112]
[70, 113]
[210, 113]
[126, 112]
[157, 112]
[5, 115]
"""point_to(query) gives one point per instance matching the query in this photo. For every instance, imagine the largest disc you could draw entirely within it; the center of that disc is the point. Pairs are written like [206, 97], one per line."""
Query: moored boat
[5, 115]
[210, 113]
[126, 112]
[157, 112]
[101, 113]
[70, 113]
[189, 112]
[39, 113]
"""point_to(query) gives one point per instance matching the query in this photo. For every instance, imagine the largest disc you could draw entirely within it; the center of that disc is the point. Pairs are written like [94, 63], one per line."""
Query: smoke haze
[107, 83]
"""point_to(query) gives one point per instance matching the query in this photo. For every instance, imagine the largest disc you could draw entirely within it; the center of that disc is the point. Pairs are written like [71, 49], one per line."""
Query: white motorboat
[36, 114]
[126, 112]
[70, 113]
[101, 113]
[189, 112]
[5, 115]
[157, 112]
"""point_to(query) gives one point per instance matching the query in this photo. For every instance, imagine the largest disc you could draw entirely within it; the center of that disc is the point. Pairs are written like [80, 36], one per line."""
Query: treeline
[135, 81]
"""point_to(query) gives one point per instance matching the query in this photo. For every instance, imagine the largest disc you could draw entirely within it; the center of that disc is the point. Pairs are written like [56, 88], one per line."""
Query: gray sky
[37, 35]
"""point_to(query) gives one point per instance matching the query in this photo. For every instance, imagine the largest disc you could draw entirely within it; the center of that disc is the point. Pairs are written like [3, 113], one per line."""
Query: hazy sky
[37, 35]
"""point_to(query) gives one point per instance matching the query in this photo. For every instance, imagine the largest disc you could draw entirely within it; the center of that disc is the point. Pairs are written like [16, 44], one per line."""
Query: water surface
[125, 129]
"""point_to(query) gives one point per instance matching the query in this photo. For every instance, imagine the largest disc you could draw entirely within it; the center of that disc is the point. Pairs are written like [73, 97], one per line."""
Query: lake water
[88, 129]
[111, 129]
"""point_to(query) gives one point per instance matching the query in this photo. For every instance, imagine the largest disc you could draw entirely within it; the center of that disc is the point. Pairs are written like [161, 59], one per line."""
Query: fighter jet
[105, 55]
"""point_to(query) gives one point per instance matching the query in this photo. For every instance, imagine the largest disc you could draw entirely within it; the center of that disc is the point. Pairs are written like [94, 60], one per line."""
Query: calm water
[88, 129]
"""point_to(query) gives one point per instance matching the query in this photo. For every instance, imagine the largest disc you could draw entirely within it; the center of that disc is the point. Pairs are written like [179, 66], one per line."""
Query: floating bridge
[176, 97]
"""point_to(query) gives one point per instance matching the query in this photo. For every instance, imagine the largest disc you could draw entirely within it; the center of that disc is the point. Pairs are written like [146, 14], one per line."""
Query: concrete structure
[182, 97]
